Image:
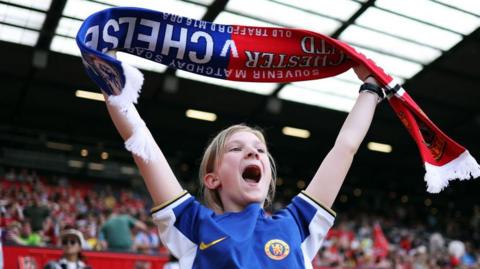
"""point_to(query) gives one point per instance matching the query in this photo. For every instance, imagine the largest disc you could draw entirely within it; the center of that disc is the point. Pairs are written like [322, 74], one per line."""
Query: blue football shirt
[251, 239]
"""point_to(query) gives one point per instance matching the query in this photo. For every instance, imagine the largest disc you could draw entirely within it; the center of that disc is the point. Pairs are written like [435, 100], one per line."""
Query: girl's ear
[211, 181]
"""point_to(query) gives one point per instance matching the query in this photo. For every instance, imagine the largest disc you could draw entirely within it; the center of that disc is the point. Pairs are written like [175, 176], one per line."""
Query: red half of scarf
[315, 56]
[444, 158]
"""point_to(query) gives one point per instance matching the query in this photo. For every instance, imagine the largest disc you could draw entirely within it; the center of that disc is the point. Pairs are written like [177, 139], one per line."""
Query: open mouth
[252, 173]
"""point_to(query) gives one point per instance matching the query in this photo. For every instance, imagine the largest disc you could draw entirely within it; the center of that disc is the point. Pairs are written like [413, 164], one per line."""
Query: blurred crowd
[378, 242]
[36, 209]
[34, 212]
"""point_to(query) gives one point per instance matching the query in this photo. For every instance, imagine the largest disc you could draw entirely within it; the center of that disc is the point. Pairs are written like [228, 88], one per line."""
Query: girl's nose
[252, 153]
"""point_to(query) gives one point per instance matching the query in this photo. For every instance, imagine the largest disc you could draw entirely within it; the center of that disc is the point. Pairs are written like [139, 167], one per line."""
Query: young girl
[237, 175]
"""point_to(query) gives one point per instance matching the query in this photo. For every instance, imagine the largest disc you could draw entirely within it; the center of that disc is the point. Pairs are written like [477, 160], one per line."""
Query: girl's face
[243, 173]
[71, 245]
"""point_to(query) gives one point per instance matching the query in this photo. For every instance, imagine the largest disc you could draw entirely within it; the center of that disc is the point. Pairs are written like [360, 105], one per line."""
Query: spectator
[90, 232]
[50, 232]
[72, 258]
[26, 237]
[141, 242]
[115, 233]
[469, 259]
[36, 213]
[110, 200]
[11, 175]
[436, 242]
[147, 242]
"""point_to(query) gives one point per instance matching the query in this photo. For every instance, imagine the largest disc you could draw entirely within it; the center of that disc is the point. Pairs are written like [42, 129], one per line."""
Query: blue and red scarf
[245, 53]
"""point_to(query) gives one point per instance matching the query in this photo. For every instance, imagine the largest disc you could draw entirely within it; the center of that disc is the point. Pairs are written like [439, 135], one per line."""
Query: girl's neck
[237, 208]
[71, 257]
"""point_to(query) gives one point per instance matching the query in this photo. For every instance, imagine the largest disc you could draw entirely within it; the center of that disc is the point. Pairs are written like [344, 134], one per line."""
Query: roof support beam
[215, 9]
[40, 53]
[51, 22]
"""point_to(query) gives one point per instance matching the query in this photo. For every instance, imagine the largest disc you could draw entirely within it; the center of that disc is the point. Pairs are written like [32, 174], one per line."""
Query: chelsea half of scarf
[244, 53]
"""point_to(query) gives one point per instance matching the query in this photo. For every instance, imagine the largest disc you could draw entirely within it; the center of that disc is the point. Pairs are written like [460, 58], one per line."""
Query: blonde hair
[210, 160]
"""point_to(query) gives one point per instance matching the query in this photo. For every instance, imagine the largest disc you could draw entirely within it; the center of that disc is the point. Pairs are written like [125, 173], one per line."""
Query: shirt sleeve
[313, 220]
[178, 223]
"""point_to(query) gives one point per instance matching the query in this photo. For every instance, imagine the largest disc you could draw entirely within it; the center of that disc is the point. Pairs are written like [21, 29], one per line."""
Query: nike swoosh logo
[204, 246]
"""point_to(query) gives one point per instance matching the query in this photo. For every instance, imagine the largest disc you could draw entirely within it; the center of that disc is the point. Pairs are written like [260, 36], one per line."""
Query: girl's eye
[261, 150]
[235, 149]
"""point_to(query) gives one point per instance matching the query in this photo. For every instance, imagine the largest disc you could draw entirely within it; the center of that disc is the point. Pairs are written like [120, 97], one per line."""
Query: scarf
[244, 53]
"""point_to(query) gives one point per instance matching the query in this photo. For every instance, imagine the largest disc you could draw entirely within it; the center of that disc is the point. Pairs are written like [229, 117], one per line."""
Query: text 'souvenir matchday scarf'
[244, 53]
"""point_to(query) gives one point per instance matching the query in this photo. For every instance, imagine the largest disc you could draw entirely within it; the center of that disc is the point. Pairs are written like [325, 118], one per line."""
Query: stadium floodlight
[96, 166]
[296, 132]
[59, 146]
[379, 147]
[75, 163]
[200, 115]
[89, 95]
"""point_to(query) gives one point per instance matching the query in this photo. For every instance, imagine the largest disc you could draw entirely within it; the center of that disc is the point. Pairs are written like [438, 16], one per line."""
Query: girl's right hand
[362, 72]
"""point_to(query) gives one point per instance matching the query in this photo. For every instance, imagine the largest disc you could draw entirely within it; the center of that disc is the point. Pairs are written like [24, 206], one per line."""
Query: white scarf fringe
[141, 142]
[131, 90]
[463, 167]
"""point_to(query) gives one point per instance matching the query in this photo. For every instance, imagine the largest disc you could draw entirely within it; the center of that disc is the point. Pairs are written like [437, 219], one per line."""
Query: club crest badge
[277, 249]
[109, 74]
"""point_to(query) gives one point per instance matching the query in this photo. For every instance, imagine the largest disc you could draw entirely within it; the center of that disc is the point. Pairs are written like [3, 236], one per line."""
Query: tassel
[463, 167]
[141, 142]
[131, 90]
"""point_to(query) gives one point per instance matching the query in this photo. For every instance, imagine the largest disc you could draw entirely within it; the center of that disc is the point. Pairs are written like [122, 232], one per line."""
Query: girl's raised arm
[329, 177]
[157, 174]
